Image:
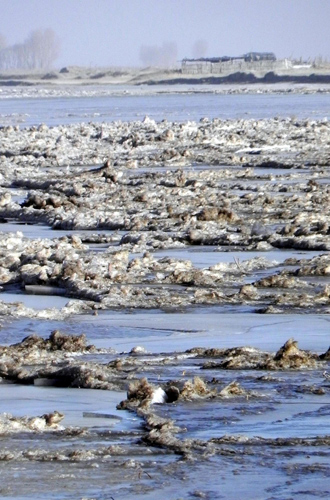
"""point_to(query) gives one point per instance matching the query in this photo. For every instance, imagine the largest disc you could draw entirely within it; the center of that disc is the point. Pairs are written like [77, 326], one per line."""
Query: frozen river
[278, 429]
[27, 107]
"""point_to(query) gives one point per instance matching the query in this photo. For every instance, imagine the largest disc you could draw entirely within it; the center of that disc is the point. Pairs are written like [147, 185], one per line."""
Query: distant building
[259, 56]
[252, 61]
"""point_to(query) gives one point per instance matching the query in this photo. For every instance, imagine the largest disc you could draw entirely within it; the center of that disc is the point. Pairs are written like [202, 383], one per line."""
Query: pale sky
[111, 32]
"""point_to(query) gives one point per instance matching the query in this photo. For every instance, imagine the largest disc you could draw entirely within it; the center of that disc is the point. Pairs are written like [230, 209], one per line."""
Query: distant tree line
[38, 51]
[164, 55]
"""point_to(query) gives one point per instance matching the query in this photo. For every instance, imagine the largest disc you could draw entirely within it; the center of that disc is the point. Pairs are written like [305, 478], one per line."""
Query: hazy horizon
[135, 32]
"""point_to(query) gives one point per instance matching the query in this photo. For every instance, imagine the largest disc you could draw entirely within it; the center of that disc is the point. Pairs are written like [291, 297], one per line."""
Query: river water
[299, 470]
[100, 104]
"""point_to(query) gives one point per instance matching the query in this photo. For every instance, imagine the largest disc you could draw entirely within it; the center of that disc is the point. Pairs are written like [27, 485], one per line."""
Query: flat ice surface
[204, 256]
[172, 104]
[37, 302]
[35, 231]
[208, 327]
[168, 332]
[23, 400]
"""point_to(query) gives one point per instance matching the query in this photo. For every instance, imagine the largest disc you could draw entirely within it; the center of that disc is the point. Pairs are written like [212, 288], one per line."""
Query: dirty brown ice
[228, 185]
[136, 200]
[189, 404]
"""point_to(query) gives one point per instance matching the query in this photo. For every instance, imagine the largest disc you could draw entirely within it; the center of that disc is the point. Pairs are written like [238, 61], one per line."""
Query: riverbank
[75, 76]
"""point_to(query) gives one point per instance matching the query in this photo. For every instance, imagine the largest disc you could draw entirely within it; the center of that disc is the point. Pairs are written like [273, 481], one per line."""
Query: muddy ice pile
[234, 185]
[148, 143]
[56, 362]
[68, 361]
[189, 408]
[169, 380]
[116, 278]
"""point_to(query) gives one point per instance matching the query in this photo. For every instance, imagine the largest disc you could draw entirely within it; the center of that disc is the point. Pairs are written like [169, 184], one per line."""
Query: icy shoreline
[106, 90]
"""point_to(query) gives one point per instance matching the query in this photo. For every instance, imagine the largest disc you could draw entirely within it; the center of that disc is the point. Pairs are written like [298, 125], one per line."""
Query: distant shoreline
[155, 76]
[245, 78]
